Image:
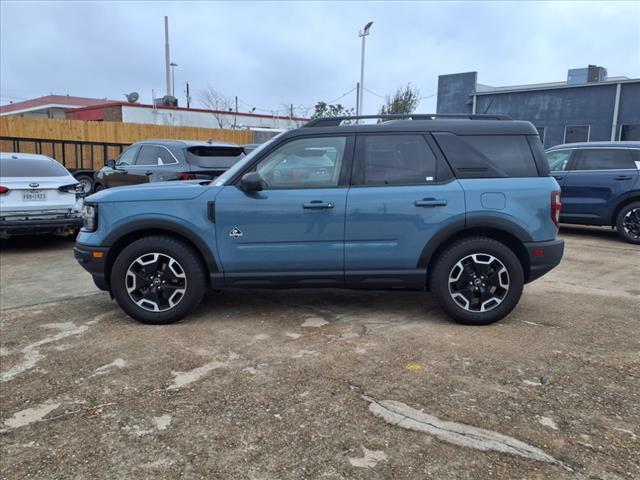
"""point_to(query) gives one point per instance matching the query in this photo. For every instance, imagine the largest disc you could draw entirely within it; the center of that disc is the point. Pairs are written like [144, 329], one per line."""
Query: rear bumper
[94, 264]
[38, 225]
[543, 257]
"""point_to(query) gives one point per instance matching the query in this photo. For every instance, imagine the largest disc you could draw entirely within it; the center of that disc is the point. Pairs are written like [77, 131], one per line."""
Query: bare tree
[221, 105]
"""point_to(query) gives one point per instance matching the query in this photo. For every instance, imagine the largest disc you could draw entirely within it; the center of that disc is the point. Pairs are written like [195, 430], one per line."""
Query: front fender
[178, 226]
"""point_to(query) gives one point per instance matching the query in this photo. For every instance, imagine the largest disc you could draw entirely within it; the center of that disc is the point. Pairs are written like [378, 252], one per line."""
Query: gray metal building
[589, 106]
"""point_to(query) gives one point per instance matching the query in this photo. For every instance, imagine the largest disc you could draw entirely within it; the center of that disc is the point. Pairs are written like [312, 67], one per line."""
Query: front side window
[605, 159]
[128, 157]
[397, 160]
[576, 133]
[304, 163]
[559, 160]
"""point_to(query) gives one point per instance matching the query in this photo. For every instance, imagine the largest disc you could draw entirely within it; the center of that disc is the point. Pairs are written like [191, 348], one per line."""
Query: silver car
[37, 195]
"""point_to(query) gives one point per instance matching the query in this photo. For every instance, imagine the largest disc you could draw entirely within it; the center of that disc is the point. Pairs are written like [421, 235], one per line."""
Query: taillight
[71, 188]
[3, 190]
[186, 176]
[556, 206]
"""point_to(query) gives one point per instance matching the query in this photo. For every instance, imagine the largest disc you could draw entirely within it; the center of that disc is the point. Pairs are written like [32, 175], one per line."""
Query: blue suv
[461, 205]
[600, 184]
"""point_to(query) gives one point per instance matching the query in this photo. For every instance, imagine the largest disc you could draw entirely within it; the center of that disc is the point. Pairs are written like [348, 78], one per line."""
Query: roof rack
[336, 121]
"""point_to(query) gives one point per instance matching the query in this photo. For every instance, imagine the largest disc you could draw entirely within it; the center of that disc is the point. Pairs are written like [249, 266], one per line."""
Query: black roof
[457, 124]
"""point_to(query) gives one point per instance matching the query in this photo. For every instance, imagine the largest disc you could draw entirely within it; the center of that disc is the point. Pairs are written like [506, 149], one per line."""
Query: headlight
[90, 217]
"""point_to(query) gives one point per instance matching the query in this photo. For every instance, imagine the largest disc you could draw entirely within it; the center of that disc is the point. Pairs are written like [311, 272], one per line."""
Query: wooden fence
[81, 144]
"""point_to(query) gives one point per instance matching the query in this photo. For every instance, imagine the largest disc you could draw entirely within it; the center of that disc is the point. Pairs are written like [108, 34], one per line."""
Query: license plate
[34, 196]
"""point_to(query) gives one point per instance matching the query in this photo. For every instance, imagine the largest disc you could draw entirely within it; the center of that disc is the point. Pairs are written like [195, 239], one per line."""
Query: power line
[343, 95]
[374, 93]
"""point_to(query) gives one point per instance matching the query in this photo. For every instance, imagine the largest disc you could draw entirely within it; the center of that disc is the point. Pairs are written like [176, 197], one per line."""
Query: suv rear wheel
[477, 280]
[158, 280]
[628, 223]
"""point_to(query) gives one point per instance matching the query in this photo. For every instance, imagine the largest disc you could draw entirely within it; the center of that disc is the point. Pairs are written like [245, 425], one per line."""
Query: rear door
[291, 232]
[598, 177]
[155, 163]
[402, 194]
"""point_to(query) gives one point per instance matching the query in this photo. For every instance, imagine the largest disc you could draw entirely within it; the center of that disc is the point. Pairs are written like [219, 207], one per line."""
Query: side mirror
[251, 182]
[111, 163]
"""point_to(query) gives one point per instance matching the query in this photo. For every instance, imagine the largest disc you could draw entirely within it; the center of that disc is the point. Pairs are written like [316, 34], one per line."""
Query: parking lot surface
[293, 384]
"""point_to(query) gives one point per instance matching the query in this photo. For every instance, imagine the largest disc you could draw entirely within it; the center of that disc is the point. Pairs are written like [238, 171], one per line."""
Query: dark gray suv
[162, 160]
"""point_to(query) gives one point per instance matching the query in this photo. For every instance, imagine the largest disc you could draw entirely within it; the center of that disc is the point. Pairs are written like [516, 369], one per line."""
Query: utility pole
[358, 98]
[364, 33]
[188, 96]
[236, 115]
[167, 56]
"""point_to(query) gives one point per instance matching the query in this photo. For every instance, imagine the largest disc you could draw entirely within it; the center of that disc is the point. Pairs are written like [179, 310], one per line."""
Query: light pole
[363, 33]
[173, 78]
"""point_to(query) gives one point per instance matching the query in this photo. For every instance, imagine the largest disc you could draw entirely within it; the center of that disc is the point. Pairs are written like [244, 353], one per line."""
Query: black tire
[98, 187]
[500, 302]
[87, 183]
[628, 223]
[188, 289]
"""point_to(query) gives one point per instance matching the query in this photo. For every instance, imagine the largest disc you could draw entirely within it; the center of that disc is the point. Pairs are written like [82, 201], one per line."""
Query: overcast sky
[275, 53]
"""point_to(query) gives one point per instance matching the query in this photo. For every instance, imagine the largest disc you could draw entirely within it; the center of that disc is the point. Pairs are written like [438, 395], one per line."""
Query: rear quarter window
[488, 156]
[24, 167]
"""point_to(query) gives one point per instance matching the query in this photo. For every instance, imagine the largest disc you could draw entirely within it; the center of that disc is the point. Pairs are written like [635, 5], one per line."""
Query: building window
[541, 134]
[630, 132]
[576, 133]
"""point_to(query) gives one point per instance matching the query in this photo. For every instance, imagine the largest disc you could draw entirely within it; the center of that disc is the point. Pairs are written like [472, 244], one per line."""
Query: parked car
[163, 160]
[463, 207]
[600, 184]
[37, 195]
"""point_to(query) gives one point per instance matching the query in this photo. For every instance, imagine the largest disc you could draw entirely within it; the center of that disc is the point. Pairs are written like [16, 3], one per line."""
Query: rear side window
[397, 160]
[488, 156]
[22, 167]
[605, 159]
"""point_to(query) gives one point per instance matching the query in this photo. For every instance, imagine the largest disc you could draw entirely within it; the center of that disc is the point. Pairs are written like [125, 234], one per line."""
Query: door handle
[430, 202]
[623, 177]
[148, 172]
[318, 204]
[123, 172]
[558, 178]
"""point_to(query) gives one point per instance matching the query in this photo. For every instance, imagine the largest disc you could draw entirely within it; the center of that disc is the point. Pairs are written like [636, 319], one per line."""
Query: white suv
[37, 195]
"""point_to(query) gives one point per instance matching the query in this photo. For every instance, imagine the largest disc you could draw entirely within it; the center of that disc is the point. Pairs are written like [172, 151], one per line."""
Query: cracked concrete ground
[273, 384]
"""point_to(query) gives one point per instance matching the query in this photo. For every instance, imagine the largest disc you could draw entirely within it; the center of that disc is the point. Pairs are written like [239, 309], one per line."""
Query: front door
[598, 177]
[291, 232]
[559, 161]
[119, 176]
[402, 196]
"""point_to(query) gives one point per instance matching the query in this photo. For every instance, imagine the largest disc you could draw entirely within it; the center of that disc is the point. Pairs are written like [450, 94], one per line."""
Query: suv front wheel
[158, 280]
[477, 280]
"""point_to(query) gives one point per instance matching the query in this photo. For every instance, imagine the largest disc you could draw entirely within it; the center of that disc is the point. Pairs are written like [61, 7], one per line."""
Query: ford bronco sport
[461, 205]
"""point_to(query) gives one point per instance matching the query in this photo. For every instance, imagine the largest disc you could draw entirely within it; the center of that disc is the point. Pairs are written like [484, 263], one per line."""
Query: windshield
[222, 179]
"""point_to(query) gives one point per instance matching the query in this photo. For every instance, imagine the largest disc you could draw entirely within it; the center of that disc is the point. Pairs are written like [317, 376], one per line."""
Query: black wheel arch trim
[472, 221]
[169, 226]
